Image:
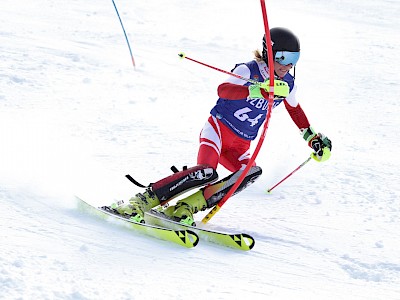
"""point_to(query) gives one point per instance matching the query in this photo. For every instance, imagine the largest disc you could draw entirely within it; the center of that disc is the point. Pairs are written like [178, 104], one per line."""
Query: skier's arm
[321, 145]
[233, 91]
[297, 114]
[295, 111]
[234, 88]
[237, 89]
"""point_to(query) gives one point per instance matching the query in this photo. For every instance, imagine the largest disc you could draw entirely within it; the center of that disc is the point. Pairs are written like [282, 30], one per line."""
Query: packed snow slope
[75, 117]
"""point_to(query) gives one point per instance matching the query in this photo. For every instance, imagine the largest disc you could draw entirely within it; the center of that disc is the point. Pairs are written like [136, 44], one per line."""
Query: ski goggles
[286, 58]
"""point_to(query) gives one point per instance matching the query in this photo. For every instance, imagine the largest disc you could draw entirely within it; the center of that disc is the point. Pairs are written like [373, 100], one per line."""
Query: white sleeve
[241, 70]
[291, 98]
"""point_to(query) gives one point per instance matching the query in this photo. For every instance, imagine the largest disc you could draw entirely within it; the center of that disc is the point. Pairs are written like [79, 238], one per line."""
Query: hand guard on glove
[281, 89]
[321, 145]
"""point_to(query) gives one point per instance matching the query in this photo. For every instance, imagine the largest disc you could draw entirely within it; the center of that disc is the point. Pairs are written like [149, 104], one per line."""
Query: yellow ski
[182, 237]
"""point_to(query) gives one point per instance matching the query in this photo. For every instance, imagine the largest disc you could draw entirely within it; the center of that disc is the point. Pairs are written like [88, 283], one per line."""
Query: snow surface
[75, 117]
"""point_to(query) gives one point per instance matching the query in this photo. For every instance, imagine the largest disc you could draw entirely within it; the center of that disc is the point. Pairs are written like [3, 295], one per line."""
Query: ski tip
[182, 55]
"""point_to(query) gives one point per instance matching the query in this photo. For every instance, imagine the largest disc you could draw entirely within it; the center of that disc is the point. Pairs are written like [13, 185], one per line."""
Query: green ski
[183, 237]
[240, 241]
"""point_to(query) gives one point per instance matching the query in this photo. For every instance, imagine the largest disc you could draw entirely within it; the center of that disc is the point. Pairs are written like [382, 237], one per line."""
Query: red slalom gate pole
[217, 207]
[269, 50]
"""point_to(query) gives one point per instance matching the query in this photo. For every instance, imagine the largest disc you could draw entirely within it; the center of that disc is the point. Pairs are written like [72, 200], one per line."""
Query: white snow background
[75, 117]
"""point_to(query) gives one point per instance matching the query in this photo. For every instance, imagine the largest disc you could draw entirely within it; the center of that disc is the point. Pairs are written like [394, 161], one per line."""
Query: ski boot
[209, 196]
[137, 206]
[184, 209]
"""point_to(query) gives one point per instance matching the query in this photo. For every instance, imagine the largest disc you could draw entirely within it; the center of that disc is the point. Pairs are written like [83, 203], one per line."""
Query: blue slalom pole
[126, 37]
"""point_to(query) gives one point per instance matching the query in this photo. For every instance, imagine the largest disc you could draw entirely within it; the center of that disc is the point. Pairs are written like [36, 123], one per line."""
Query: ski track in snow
[75, 117]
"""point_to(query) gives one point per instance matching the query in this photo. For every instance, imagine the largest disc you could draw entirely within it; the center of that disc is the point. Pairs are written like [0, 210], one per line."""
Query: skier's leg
[164, 190]
[209, 196]
[235, 156]
[183, 181]
[210, 143]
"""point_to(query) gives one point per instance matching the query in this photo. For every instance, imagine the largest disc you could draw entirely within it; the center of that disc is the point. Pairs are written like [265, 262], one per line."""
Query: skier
[225, 138]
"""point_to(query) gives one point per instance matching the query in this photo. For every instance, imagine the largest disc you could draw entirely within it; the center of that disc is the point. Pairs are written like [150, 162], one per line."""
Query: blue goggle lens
[286, 57]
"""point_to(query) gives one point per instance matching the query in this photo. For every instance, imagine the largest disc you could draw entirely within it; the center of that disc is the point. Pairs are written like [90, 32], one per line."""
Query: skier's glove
[281, 89]
[321, 145]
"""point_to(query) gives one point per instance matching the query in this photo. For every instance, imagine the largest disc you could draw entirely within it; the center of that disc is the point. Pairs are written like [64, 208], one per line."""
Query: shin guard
[183, 181]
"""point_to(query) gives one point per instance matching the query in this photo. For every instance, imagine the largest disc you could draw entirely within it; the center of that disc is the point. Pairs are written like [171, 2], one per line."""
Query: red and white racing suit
[236, 119]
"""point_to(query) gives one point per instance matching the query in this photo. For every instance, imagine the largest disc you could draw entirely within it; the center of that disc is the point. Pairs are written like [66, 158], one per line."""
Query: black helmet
[282, 40]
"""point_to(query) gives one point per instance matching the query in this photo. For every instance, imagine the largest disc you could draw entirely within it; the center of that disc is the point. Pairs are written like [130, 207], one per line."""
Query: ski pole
[126, 37]
[217, 207]
[183, 56]
[290, 174]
